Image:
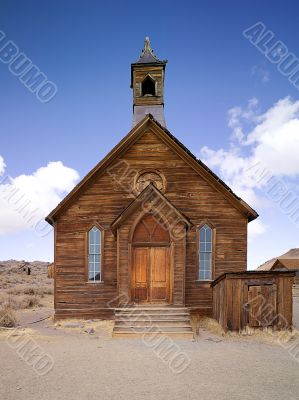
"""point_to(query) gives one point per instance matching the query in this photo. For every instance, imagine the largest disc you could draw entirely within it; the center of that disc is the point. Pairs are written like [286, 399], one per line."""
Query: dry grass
[20, 302]
[7, 317]
[198, 322]
[22, 291]
[22, 297]
[266, 335]
[32, 290]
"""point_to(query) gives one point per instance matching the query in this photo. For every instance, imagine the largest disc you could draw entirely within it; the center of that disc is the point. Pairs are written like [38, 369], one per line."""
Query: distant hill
[14, 265]
[292, 254]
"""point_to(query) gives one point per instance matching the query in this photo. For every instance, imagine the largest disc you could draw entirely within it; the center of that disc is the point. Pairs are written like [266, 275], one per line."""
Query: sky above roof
[227, 98]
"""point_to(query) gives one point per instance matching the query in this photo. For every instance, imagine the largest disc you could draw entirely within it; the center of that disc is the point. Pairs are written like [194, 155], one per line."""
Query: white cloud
[269, 141]
[261, 73]
[2, 166]
[237, 115]
[27, 199]
[276, 138]
[256, 228]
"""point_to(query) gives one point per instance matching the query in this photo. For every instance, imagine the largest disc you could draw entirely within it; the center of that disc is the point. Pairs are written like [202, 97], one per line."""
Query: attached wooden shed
[253, 298]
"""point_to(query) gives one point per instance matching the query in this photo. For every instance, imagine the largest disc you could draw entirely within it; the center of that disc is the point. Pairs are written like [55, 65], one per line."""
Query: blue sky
[217, 85]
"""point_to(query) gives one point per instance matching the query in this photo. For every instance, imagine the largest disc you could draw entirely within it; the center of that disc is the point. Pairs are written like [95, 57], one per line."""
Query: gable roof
[145, 195]
[290, 260]
[291, 264]
[172, 142]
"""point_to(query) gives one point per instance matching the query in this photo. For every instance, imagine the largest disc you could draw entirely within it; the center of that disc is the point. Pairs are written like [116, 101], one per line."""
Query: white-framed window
[94, 254]
[205, 252]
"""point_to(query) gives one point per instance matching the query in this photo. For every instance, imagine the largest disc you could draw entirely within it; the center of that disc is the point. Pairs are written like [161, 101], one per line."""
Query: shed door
[262, 302]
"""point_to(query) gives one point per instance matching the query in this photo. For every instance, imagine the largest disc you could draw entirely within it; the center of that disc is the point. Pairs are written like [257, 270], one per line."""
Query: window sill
[95, 282]
[204, 280]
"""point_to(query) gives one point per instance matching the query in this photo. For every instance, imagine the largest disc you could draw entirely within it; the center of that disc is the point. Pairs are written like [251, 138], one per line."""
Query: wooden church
[150, 226]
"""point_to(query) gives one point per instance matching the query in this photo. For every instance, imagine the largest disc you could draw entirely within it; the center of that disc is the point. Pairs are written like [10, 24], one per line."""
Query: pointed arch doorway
[151, 248]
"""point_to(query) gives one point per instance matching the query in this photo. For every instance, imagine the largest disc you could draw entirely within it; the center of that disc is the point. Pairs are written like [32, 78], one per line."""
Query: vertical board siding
[253, 299]
[104, 199]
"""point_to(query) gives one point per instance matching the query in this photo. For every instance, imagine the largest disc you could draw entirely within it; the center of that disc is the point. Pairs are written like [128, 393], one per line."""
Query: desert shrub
[7, 317]
[48, 289]
[3, 299]
[32, 301]
[200, 322]
[23, 289]
[32, 290]
[20, 302]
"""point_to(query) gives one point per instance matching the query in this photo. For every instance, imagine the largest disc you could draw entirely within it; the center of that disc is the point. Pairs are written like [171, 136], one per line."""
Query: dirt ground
[89, 364]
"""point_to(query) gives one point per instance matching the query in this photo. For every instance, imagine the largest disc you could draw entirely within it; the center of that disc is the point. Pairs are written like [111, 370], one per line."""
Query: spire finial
[147, 45]
[147, 54]
[147, 48]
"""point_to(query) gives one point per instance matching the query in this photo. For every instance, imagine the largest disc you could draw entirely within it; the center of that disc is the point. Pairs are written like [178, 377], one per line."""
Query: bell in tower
[147, 82]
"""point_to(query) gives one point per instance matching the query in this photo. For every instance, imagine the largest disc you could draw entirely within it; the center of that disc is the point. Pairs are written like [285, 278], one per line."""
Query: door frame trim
[177, 250]
[131, 247]
[149, 275]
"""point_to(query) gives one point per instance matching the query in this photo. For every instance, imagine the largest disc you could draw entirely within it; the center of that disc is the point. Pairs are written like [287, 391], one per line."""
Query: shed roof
[251, 274]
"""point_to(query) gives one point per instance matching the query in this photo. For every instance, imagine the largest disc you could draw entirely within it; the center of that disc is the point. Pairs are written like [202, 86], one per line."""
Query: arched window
[94, 254]
[205, 252]
[149, 230]
[148, 87]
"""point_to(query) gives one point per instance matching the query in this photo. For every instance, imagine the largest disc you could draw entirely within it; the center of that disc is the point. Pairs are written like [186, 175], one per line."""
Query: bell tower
[147, 82]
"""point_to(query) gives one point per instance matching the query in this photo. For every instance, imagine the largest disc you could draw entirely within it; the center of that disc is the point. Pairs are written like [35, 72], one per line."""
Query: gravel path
[95, 367]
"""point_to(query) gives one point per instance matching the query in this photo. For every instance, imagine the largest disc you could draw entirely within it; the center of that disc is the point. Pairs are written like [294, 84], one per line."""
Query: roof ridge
[250, 212]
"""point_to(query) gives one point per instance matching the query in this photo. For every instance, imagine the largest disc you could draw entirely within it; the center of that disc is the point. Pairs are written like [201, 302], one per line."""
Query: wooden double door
[150, 271]
[150, 274]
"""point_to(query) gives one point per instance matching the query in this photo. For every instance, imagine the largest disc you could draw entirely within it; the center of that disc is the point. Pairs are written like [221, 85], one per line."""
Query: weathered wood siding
[105, 198]
[234, 309]
[157, 73]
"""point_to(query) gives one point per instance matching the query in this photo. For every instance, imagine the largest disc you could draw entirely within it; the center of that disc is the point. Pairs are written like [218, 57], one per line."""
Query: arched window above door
[149, 230]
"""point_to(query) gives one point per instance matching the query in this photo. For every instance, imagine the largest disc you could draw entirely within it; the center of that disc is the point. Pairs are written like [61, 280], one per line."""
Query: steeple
[147, 82]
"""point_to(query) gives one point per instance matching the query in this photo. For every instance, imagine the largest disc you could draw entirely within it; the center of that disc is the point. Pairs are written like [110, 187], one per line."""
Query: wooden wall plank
[107, 196]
